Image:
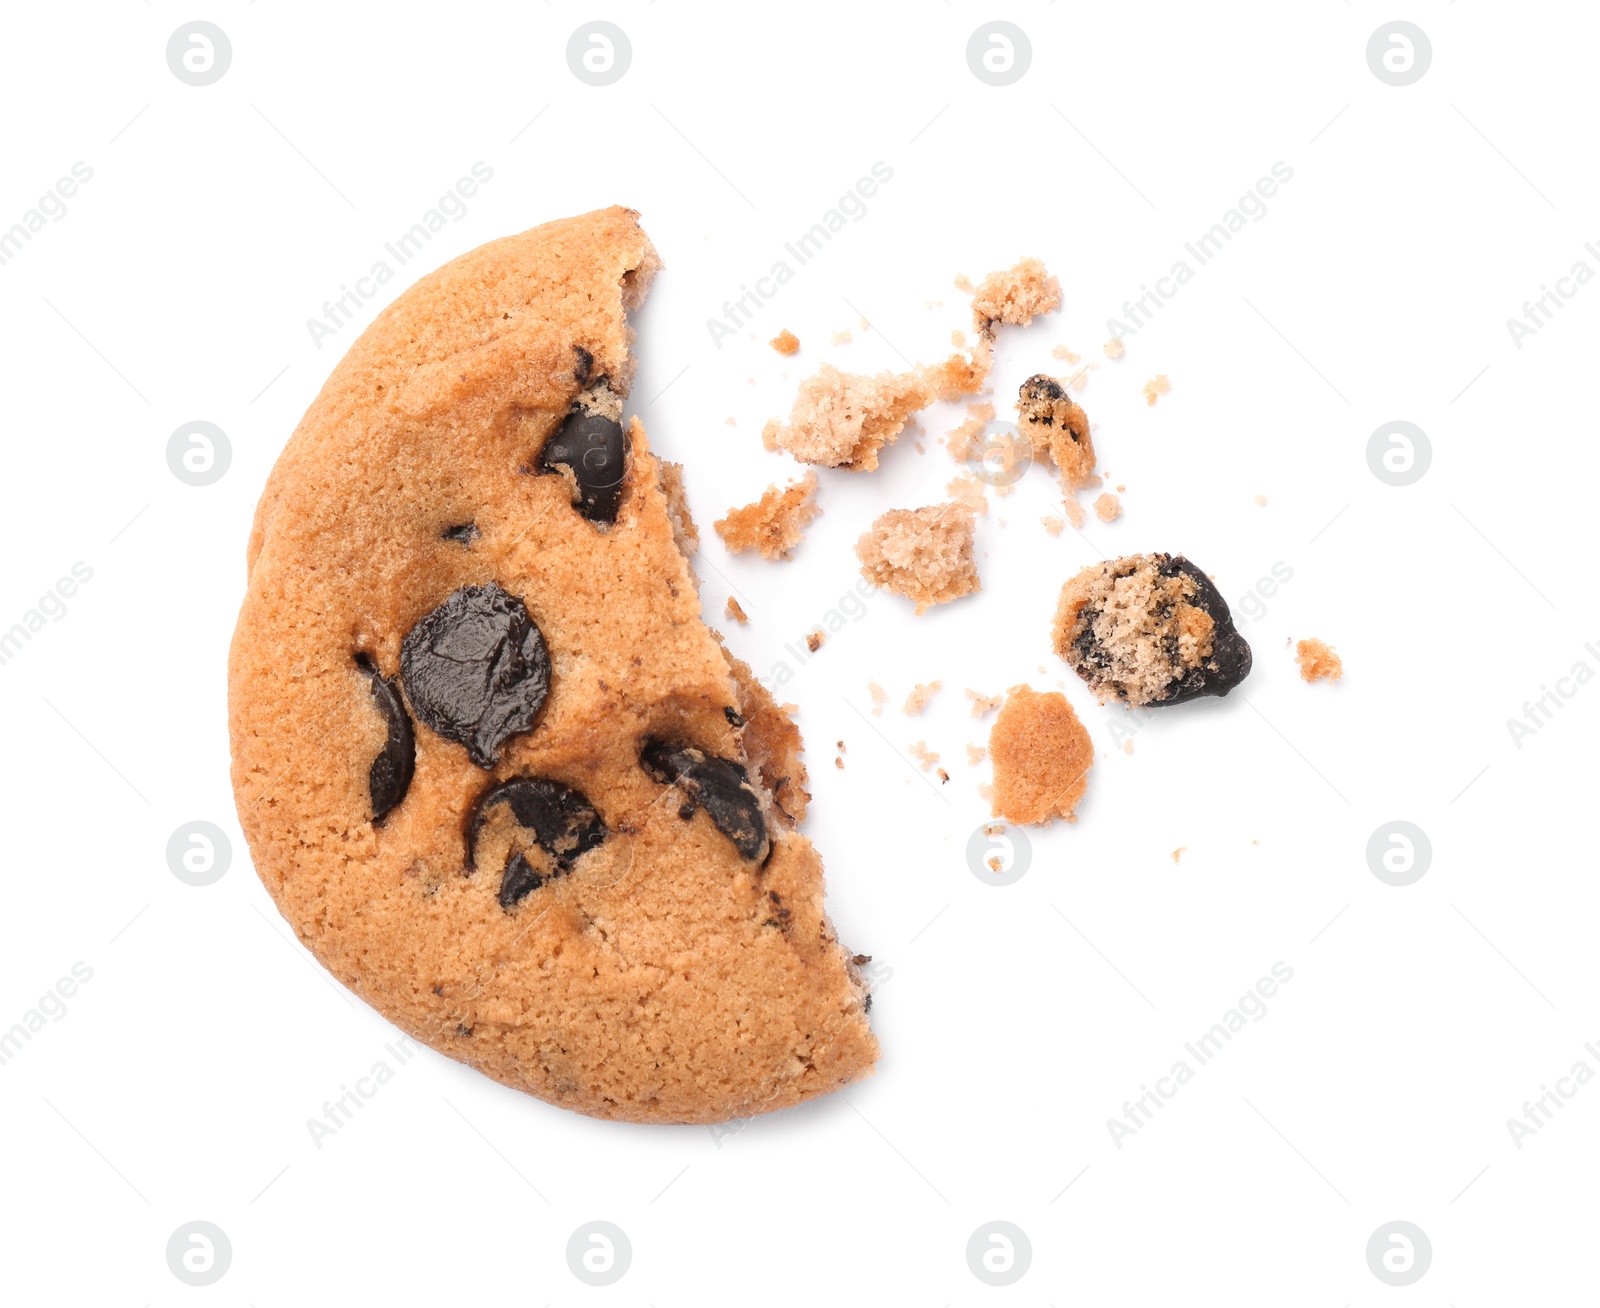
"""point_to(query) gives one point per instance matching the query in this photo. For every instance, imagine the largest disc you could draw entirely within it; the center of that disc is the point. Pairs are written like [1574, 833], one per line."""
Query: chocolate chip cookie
[492, 766]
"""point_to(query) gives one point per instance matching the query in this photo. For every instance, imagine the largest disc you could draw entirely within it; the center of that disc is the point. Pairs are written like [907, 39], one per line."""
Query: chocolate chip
[719, 786]
[594, 450]
[390, 775]
[584, 367]
[562, 822]
[476, 670]
[732, 714]
[464, 534]
[1041, 388]
[1230, 659]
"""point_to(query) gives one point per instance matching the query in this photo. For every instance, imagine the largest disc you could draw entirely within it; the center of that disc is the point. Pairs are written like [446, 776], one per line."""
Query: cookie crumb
[1113, 348]
[924, 756]
[785, 342]
[731, 422]
[1107, 507]
[920, 694]
[962, 439]
[963, 283]
[944, 776]
[975, 754]
[842, 338]
[842, 419]
[1042, 755]
[1056, 427]
[962, 374]
[1157, 385]
[986, 793]
[958, 338]
[814, 639]
[983, 705]
[1074, 511]
[1063, 353]
[1127, 745]
[1318, 661]
[838, 762]
[1054, 523]
[735, 610]
[923, 554]
[775, 523]
[880, 697]
[967, 491]
[1015, 294]
[1261, 500]
[1178, 853]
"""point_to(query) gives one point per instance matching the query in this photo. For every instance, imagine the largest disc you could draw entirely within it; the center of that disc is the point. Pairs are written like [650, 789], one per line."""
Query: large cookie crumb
[920, 694]
[1042, 755]
[842, 419]
[1107, 507]
[1149, 629]
[1056, 427]
[1318, 661]
[1013, 295]
[963, 374]
[775, 523]
[924, 554]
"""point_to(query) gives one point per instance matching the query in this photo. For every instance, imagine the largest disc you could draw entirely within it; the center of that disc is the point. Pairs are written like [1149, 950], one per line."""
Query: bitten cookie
[492, 766]
[1149, 629]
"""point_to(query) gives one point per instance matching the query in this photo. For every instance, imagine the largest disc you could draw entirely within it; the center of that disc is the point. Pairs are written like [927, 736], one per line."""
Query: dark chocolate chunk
[732, 714]
[390, 775]
[1230, 659]
[595, 450]
[561, 821]
[463, 534]
[583, 367]
[476, 670]
[719, 786]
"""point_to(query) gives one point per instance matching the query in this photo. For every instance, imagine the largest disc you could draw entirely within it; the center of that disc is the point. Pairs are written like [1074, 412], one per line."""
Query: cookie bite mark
[771, 741]
[476, 670]
[389, 777]
[1056, 427]
[924, 554]
[1317, 661]
[719, 786]
[775, 523]
[842, 419]
[1041, 755]
[685, 535]
[1149, 629]
[1015, 294]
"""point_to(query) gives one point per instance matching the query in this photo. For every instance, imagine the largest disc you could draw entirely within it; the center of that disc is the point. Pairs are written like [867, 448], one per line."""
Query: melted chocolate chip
[463, 534]
[390, 775]
[476, 670]
[719, 786]
[561, 820]
[1230, 659]
[595, 451]
[583, 368]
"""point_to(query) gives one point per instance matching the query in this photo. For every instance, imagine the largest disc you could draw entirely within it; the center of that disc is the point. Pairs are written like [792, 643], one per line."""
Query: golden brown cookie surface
[638, 936]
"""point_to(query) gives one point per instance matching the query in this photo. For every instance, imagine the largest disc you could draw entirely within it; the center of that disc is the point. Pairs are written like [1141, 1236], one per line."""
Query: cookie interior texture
[1149, 629]
[632, 962]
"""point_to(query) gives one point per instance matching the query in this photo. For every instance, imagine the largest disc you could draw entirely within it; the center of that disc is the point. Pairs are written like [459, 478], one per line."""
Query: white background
[1015, 1021]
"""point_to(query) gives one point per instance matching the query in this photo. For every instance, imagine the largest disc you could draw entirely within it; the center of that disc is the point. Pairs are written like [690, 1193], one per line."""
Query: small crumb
[1261, 500]
[1318, 661]
[1157, 385]
[975, 754]
[958, 338]
[963, 283]
[838, 762]
[995, 863]
[925, 757]
[814, 639]
[1121, 489]
[839, 745]
[1015, 294]
[880, 697]
[943, 776]
[986, 793]
[735, 610]
[1127, 745]
[1075, 514]
[775, 523]
[732, 422]
[920, 694]
[1062, 352]
[1255, 842]
[962, 439]
[1107, 507]
[865, 325]
[1179, 853]
[1054, 523]
[1113, 348]
[923, 554]
[842, 338]
[983, 705]
[785, 342]
[967, 490]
